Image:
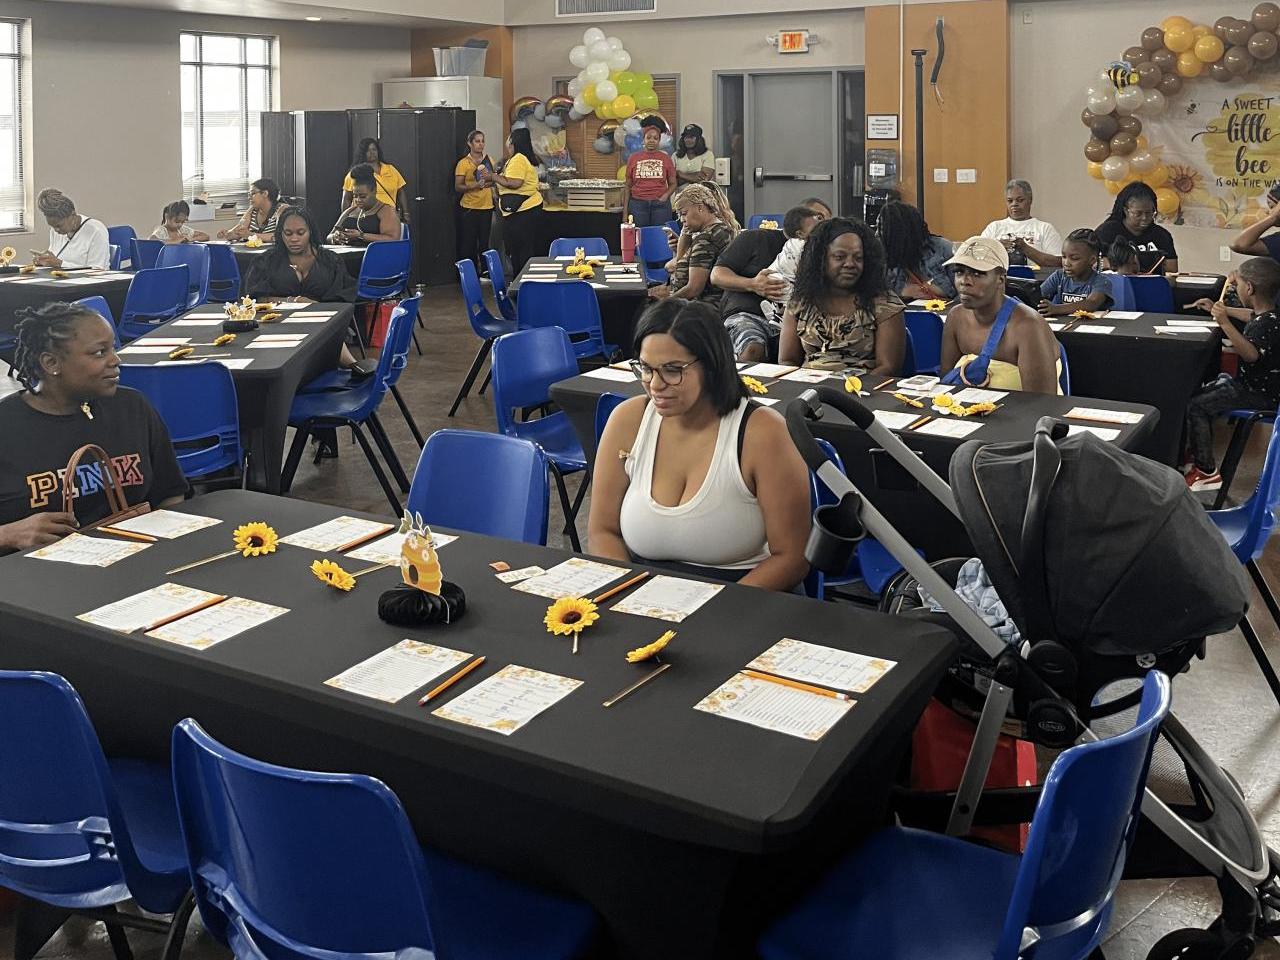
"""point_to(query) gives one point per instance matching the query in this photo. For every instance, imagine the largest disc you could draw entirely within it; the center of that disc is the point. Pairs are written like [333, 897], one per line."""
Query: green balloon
[644, 80]
[627, 83]
[646, 99]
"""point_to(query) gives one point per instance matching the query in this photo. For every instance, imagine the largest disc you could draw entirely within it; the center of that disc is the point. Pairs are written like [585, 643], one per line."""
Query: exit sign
[793, 41]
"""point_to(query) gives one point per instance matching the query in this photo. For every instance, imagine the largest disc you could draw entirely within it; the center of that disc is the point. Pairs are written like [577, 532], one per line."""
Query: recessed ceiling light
[313, 19]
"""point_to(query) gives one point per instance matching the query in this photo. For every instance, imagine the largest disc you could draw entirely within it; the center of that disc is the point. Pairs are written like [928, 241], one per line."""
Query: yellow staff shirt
[474, 199]
[389, 183]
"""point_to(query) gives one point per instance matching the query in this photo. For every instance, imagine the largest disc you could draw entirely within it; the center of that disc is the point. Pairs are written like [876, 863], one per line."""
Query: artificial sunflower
[570, 615]
[1084, 315]
[59, 274]
[224, 339]
[27, 268]
[754, 385]
[177, 353]
[980, 409]
[329, 572]
[909, 401]
[255, 539]
[852, 385]
[768, 225]
[934, 306]
[270, 317]
[650, 650]
[6, 255]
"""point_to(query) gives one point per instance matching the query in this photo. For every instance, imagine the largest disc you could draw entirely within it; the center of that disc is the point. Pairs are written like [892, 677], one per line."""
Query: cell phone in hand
[1273, 195]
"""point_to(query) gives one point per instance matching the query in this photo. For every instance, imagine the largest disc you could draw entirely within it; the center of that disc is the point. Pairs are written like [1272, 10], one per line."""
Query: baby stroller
[1039, 514]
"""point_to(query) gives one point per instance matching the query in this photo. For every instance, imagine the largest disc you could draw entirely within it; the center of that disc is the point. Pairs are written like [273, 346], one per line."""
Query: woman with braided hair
[67, 362]
[709, 228]
[913, 256]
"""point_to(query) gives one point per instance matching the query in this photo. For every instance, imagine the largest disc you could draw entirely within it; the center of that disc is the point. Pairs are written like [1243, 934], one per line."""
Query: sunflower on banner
[1193, 111]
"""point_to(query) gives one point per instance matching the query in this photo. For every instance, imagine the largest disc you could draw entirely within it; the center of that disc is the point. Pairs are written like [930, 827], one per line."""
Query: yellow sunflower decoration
[909, 401]
[651, 650]
[177, 353]
[326, 571]
[570, 615]
[255, 539]
[7, 255]
[852, 385]
[934, 306]
[754, 385]
[224, 339]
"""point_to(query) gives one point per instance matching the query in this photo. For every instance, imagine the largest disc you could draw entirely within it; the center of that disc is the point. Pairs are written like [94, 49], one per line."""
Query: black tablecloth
[18, 291]
[1186, 289]
[265, 389]
[914, 512]
[351, 258]
[554, 224]
[676, 825]
[620, 304]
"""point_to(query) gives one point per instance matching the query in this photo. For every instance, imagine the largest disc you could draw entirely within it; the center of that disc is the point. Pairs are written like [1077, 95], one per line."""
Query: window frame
[22, 126]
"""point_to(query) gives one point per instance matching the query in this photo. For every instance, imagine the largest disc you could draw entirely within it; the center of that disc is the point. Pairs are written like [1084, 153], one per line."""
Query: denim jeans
[650, 213]
[1214, 399]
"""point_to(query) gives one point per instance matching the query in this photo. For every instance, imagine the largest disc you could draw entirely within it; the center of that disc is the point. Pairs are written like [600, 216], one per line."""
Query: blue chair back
[675, 226]
[498, 281]
[1064, 375]
[122, 237]
[570, 305]
[197, 403]
[398, 346]
[290, 864]
[384, 271]
[196, 257]
[908, 355]
[605, 405]
[145, 252]
[925, 329]
[753, 223]
[1083, 828]
[568, 246]
[1121, 292]
[1259, 510]
[485, 483]
[1023, 271]
[100, 306]
[525, 365]
[653, 251]
[473, 298]
[113, 256]
[156, 294]
[224, 274]
[1151, 294]
[63, 838]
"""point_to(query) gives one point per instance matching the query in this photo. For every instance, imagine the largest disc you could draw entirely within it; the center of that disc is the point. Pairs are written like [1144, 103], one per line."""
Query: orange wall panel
[498, 62]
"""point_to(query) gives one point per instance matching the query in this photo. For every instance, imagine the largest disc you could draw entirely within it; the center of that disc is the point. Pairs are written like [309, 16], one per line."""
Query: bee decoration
[1122, 75]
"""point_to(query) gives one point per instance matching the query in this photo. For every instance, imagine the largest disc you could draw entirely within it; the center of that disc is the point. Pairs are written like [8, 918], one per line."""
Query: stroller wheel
[1193, 944]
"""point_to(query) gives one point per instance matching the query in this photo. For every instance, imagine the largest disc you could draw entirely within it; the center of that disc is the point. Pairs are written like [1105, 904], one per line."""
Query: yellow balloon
[1179, 39]
[1189, 65]
[1143, 143]
[1209, 49]
[1095, 169]
[622, 173]
[1157, 177]
[1113, 186]
[589, 95]
[1200, 30]
[1169, 23]
[1167, 201]
[605, 111]
[623, 105]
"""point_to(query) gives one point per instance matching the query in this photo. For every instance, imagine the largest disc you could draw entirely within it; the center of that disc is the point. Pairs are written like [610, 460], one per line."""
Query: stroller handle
[808, 406]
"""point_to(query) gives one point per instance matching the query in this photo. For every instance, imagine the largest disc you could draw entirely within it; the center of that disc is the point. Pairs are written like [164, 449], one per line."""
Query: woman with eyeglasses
[704, 479]
[1133, 218]
[261, 217]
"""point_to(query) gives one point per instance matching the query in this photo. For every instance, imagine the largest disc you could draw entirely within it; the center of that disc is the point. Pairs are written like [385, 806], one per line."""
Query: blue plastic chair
[485, 483]
[1247, 528]
[1064, 375]
[926, 340]
[1243, 421]
[224, 274]
[196, 257]
[113, 256]
[568, 246]
[356, 407]
[145, 252]
[295, 865]
[525, 365]
[606, 403]
[340, 379]
[1122, 297]
[753, 223]
[384, 275]
[122, 237]
[197, 403]
[498, 281]
[156, 295]
[80, 833]
[100, 306]
[909, 355]
[1023, 271]
[676, 227]
[485, 325]
[908, 893]
[653, 252]
[572, 306]
[1151, 294]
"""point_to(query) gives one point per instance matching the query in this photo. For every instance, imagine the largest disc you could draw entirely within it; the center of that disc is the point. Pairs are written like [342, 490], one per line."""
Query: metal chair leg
[470, 378]
[582, 493]
[34, 925]
[396, 509]
[1231, 460]
[408, 417]
[383, 441]
[291, 462]
[178, 928]
[570, 528]
[1260, 655]
[416, 345]
[119, 939]
[487, 377]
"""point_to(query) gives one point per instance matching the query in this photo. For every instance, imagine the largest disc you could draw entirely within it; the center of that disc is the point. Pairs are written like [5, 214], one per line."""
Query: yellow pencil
[212, 601]
[451, 681]
[620, 587]
[128, 534]
[796, 684]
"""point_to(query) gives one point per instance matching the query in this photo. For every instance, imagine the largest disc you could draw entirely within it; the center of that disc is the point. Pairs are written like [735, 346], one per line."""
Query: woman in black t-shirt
[298, 268]
[67, 361]
[1133, 216]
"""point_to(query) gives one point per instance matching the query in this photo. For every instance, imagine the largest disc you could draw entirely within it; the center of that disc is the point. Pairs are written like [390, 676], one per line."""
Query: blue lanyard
[975, 371]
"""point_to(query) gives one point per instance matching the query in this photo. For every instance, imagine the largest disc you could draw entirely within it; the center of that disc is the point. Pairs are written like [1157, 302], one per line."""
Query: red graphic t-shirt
[647, 173]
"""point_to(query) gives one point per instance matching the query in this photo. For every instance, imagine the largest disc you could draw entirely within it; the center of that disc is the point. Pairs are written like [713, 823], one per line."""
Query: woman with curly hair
[914, 257]
[842, 314]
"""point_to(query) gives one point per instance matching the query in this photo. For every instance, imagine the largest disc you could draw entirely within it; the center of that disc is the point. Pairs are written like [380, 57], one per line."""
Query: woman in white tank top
[693, 474]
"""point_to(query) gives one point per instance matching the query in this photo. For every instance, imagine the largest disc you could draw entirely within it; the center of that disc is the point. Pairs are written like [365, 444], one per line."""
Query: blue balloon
[554, 122]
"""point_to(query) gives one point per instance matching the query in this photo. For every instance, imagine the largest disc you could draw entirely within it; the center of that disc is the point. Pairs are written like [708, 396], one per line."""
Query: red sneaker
[1198, 481]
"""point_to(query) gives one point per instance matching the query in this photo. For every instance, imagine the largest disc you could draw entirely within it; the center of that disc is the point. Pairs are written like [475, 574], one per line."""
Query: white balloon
[578, 56]
[1115, 168]
[614, 43]
[554, 121]
[592, 35]
[596, 72]
[606, 90]
[631, 124]
[619, 60]
[574, 115]
[1144, 161]
[580, 106]
[1154, 104]
[575, 87]
[1130, 100]
[520, 125]
[1102, 101]
[600, 50]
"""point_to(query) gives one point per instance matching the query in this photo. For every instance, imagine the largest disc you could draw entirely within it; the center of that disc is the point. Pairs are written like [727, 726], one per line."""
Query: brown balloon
[1123, 144]
[1266, 16]
[1152, 39]
[1238, 33]
[1135, 55]
[1238, 61]
[1087, 116]
[1263, 46]
[1097, 150]
[1170, 84]
[1166, 60]
[1104, 128]
[1220, 27]
[1130, 124]
[1149, 75]
[1219, 72]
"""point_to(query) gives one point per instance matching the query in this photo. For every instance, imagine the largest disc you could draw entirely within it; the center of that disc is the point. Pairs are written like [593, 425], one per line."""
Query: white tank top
[722, 525]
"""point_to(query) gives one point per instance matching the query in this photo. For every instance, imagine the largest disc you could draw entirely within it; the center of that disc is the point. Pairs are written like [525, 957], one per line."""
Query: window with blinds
[13, 194]
[226, 85]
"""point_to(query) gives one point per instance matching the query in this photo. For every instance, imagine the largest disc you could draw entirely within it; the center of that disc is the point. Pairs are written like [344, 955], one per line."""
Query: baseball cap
[692, 130]
[982, 254]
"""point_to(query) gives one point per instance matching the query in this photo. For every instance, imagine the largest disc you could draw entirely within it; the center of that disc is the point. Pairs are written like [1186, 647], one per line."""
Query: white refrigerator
[481, 94]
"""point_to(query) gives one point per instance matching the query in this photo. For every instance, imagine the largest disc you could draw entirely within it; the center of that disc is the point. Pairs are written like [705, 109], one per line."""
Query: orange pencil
[212, 601]
[919, 422]
[620, 587]
[361, 541]
[451, 681]
[128, 534]
[796, 684]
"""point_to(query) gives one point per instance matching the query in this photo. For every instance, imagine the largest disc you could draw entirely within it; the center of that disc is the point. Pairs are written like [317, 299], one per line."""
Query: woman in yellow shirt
[390, 182]
[519, 199]
[473, 180]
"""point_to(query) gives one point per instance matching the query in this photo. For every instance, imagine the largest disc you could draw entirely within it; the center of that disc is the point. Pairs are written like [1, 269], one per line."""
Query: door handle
[762, 175]
[759, 176]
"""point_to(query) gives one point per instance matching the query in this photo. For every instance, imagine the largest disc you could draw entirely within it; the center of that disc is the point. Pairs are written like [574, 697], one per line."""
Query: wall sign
[793, 41]
[882, 126]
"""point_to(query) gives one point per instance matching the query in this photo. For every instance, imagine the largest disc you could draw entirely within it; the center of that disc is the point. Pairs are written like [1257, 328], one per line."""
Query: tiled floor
[1223, 700]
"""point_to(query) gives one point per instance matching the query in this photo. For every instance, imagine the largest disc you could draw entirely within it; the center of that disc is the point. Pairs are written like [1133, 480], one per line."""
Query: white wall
[105, 99]
[692, 48]
[1053, 59]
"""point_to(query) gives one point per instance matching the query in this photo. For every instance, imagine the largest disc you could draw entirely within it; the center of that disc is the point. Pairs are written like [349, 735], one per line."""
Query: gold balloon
[1095, 169]
[1167, 201]
[1157, 177]
[1179, 39]
[1189, 65]
[1209, 48]
[1113, 186]
[1171, 23]
[1200, 30]
[1143, 143]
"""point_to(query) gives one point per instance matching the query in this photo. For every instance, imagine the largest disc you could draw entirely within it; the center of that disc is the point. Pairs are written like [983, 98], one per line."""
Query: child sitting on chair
[1122, 258]
[1079, 284]
[1256, 386]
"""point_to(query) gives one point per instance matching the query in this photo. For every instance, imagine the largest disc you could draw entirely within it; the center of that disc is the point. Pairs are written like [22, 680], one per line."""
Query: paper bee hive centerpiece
[426, 597]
